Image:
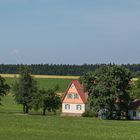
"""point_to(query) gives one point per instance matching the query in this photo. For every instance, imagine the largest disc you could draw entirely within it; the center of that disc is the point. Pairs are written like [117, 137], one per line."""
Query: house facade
[134, 110]
[74, 99]
[74, 102]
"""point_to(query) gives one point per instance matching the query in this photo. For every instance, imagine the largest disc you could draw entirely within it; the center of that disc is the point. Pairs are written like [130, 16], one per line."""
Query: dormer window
[69, 96]
[76, 96]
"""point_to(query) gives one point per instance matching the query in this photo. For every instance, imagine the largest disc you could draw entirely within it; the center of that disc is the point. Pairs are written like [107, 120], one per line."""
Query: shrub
[89, 113]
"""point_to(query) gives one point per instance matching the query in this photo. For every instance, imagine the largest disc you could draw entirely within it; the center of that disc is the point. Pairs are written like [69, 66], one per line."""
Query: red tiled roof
[80, 90]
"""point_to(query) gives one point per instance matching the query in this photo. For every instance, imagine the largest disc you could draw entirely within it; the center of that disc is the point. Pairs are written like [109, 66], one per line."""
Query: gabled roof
[80, 89]
[135, 104]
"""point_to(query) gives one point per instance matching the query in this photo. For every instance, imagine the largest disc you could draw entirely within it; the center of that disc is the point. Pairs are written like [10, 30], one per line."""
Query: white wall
[73, 108]
[130, 113]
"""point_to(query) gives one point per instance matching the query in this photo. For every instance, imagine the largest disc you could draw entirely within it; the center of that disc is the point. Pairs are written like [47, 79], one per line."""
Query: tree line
[60, 69]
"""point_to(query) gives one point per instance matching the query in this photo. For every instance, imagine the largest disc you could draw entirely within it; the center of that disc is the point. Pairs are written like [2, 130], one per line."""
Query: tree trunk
[44, 111]
[54, 111]
[27, 109]
[24, 111]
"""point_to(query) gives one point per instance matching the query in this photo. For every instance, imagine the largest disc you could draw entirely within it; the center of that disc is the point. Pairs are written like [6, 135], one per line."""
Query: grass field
[16, 126]
[45, 81]
[48, 83]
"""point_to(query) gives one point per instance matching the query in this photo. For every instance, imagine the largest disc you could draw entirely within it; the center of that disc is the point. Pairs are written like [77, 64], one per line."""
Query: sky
[69, 31]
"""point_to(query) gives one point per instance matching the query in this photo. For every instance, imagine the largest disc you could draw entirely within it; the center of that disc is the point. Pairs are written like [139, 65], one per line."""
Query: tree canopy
[4, 87]
[24, 88]
[108, 90]
[46, 100]
[135, 89]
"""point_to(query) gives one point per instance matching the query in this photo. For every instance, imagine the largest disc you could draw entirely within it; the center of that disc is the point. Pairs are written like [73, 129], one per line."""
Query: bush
[89, 113]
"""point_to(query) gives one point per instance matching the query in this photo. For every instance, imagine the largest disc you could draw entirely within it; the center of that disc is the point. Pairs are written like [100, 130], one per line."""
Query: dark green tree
[24, 88]
[108, 90]
[4, 87]
[52, 101]
[47, 100]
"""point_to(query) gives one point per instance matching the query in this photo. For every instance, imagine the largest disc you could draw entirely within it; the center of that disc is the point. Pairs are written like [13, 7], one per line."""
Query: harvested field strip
[55, 77]
[41, 76]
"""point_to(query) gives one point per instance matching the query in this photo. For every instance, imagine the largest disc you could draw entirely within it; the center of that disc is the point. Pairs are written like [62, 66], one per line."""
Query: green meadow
[14, 125]
[48, 83]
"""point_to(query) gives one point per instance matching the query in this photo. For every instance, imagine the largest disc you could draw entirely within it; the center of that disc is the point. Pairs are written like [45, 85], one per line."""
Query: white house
[74, 99]
[134, 110]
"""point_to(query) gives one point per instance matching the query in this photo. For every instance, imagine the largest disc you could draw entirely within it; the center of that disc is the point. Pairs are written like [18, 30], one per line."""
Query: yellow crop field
[41, 76]
[9, 75]
[55, 76]
[135, 79]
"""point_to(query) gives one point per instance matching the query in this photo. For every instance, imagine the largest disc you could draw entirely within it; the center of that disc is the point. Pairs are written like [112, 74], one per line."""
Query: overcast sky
[69, 31]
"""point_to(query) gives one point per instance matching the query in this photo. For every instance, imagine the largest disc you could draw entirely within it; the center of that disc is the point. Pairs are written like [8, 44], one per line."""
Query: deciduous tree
[4, 87]
[135, 89]
[47, 100]
[24, 88]
[108, 90]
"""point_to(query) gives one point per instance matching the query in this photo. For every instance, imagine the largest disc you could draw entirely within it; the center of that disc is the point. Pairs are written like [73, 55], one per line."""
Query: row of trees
[110, 91]
[26, 92]
[54, 69]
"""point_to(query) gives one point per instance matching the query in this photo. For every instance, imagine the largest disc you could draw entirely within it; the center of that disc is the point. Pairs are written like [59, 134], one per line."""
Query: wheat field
[42, 76]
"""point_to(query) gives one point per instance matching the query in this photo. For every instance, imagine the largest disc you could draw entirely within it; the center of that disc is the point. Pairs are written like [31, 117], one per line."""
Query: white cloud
[14, 52]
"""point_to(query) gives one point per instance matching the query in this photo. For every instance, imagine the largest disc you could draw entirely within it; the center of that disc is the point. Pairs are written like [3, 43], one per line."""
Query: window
[69, 96]
[67, 106]
[78, 107]
[76, 96]
[134, 113]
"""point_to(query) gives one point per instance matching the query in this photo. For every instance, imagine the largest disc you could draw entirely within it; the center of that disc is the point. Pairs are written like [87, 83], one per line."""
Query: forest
[63, 69]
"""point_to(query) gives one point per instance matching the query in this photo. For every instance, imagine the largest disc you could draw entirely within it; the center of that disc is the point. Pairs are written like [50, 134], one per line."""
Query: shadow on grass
[9, 112]
[40, 114]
